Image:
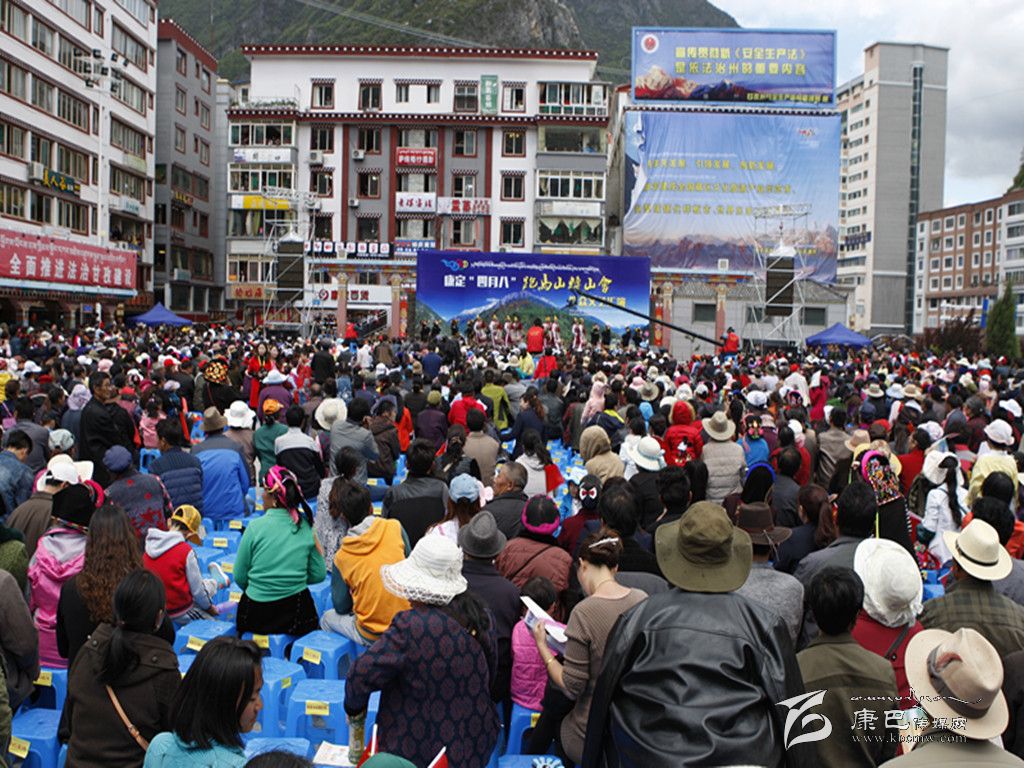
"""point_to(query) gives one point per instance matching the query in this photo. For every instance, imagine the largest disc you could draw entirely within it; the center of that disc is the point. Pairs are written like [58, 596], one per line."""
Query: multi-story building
[963, 253]
[185, 203]
[893, 158]
[368, 153]
[77, 83]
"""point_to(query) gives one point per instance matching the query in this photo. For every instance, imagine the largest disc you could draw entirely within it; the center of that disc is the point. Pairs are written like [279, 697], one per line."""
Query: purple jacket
[432, 424]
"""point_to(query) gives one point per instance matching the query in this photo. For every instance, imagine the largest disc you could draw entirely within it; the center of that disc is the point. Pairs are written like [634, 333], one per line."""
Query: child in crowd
[529, 676]
[570, 503]
[147, 424]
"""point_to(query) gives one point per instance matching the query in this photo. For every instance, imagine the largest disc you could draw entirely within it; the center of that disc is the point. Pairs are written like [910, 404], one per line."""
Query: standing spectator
[72, 418]
[265, 437]
[142, 497]
[481, 447]
[181, 473]
[240, 419]
[385, 435]
[225, 478]
[911, 463]
[1000, 440]
[352, 432]
[25, 412]
[104, 425]
[19, 646]
[647, 456]
[724, 458]
[945, 505]
[149, 421]
[421, 500]
[15, 476]
[832, 448]
[300, 454]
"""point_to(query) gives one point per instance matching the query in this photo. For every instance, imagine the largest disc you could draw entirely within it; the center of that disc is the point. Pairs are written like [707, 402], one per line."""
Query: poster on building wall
[30, 259]
[750, 66]
[465, 286]
[710, 191]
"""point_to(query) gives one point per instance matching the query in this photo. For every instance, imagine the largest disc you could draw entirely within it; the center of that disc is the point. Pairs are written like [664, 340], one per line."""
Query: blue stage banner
[465, 286]
[710, 191]
[749, 66]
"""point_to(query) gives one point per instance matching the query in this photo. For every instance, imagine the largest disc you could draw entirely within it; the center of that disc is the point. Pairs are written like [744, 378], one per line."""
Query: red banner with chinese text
[46, 259]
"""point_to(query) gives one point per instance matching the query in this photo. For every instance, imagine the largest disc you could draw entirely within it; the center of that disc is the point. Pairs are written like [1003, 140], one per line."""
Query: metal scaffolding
[299, 230]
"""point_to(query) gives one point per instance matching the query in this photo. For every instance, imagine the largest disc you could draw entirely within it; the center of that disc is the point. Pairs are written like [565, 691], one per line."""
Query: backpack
[918, 495]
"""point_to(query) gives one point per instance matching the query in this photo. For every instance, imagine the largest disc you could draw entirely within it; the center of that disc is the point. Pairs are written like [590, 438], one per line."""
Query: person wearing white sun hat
[724, 458]
[999, 438]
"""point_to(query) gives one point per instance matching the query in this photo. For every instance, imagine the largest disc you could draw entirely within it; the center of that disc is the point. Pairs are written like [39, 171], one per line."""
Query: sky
[985, 97]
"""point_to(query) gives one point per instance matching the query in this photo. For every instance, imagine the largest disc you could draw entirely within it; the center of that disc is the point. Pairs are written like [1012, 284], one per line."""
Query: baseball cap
[189, 517]
[464, 487]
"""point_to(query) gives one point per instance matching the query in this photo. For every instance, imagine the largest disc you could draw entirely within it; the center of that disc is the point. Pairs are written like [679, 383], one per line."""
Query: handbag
[124, 719]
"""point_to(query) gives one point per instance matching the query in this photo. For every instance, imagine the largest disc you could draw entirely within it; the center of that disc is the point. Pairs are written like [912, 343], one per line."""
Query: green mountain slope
[224, 25]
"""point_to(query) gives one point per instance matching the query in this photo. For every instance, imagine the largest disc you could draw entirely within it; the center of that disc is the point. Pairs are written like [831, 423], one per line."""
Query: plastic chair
[261, 744]
[194, 635]
[274, 645]
[34, 738]
[520, 722]
[279, 680]
[146, 457]
[322, 653]
[54, 688]
[316, 711]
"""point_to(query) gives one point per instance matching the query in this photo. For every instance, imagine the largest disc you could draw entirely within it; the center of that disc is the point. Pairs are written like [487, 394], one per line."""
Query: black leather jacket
[692, 679]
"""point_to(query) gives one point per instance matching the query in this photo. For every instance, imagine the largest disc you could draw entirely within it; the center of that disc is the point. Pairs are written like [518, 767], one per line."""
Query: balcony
[574, 99]
[282, 154]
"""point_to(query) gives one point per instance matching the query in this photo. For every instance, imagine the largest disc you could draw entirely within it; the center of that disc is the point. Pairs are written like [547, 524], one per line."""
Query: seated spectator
[998, 515]
[620, 512]
[588, 517]
[329, 524]
[142, 497]
[432, 422]
[596, 451]
[34, 517]
[854, 678]
[892, 601]
[123, 663]
[421, 500]
[352, 432]
[452, 460]
[218, 700]
[25, 411]
[60, 554]
[363, 609]
[817, 529]
[15, 475]
[786, 488]
[225, 477]
[152, 417]
[19, 646]
[481, 447]
[265, 437]
[535, 552]
[529, 675]
[945, 504]
[180, 472]
[277, 559]
[674, 492]
[169, 556]
[299, 453]
[647, 457]
[463, 504]
[13, 557]
[240, 418]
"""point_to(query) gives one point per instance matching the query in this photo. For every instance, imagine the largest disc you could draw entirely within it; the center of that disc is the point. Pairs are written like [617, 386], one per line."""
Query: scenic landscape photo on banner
[749, 66]
[696, 181]
[463, 286]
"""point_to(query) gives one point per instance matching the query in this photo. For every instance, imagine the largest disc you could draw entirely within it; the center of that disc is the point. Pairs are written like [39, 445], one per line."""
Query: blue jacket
[182, 476]
[225, 478]
[168, 751]
[15, 482]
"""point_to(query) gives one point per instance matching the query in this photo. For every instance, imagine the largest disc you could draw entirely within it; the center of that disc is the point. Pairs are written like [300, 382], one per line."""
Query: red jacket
[879, 638]
[170, 567]
[683, 429]
[910, 467]
[547, 365]
[535, 340]
[457, 413]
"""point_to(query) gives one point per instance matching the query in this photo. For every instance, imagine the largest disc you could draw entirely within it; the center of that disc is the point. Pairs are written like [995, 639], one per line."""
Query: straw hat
[873, 390]
[977, 550]
[329, 411]
[703, 552]
[647, 454]
[431, 574]
[719, 427]
[858, 438]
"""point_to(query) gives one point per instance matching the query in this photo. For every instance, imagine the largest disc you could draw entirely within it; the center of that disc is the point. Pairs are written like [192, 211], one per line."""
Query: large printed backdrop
[694, 180]
[464, 285]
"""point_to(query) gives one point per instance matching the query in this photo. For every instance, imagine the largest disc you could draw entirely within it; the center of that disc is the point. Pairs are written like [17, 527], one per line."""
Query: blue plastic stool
[521, 761]
[321, 594]
[225, 541]
[34, 738]
[185, 663]
[520, 722]
[279, 680]
[372, 708]
[146, 457]
[261, 744]
[274, 645]
[316, 711]
[207, 555]
[53, 685]
[227, 564]
[62, 758]
[322, 653]
[196, 634]
[930, 591]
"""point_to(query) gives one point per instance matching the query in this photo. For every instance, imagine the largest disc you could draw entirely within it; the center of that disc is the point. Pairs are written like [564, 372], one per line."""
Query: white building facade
[379, 150]
[77, 126]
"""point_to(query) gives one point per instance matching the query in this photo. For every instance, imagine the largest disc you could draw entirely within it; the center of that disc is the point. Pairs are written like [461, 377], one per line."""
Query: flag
[371, 749]
[441, 760]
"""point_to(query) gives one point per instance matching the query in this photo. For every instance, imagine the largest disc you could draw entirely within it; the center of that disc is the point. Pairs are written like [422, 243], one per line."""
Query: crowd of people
[754, 559]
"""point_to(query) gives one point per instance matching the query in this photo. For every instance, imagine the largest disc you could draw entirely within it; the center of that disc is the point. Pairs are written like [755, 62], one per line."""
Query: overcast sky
[985, 106]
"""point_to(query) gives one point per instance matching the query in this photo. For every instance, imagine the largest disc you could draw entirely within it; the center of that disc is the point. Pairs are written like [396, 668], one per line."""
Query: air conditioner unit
[182, 275]
[316, 157]
[358, 154]
[36, 171]
[723, 265]
[353, 202]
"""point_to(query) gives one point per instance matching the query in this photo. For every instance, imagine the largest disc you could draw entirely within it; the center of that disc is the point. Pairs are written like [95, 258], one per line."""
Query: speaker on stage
[779, 286]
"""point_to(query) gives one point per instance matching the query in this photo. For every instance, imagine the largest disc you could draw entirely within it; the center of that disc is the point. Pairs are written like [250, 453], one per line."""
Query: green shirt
[263, 442]
[275, 560]
[502, 407]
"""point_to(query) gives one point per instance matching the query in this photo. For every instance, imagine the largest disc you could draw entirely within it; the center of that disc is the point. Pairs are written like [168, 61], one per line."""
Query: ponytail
[471, 613]
[950, 464]
[138, 600]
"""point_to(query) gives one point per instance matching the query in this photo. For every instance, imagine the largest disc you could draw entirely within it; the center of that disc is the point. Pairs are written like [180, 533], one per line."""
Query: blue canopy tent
[160, 315]
[838, 335]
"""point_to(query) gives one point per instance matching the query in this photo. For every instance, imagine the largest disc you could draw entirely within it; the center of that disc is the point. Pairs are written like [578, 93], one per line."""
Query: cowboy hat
[913, 392]
[702, 551]
[480, 537]
[332, 409]
[959, 676]
[873, 390]
[240, 415]
[719, 427]
[647, 454]
[757, 520]
[275, 377]
[431, 574]
[63, 471]
[649, 391]
[858, 438]
[977, 550]
[213, 420]
[932, 470]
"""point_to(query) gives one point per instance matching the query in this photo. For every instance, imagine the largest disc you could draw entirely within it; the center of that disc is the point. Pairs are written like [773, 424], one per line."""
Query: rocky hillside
[604, 25]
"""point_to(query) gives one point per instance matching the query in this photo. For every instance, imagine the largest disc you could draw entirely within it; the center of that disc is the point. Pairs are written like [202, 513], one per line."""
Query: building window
[368, 229]
[961, 220]
[177, 218]
[321, 182]
[417, 138]
[465, 97]
[417, 182]
[204, 152]
[205, 80]
[41, 208]
[463, 185]
[513, 98]
[988, 237]
[12, 201]
[323, 227]
[13, 80]
[180, 98]
[513, 144]
[369, 185]
[127, 139]
[512, 233]
[41, 150]
[814, 316]
[369, 96]
[511, 187]
[948, 223]
[960, 260]
[420, 229]
[574, 185]
[14, 20]
[704, 313]
[369, 140]
[131, 94]
[988, 216]
[181, 62]
[72, 110]
[12, 140]
[322, 138]
[42, 94]
[464, 144]
[204, 116]
[401, 93]
[323, 95]
[43, 38]
[464, 232]
[73, 216]
[97, 20]
[433, 93]
[73, 163]
[976, 260]
[179, 138]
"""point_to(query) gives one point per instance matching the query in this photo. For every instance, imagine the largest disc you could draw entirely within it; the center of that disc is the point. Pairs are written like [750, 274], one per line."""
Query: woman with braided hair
[277, 559]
